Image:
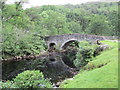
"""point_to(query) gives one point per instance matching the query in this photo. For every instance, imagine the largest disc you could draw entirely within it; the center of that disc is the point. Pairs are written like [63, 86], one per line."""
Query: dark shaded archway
[52, 46]
[70, 53]
[70, 44]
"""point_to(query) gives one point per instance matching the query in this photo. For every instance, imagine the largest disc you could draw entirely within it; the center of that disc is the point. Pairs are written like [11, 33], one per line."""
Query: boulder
[101, 48]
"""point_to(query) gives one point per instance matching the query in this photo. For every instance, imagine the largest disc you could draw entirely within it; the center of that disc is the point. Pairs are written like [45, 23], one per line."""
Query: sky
[32, 3]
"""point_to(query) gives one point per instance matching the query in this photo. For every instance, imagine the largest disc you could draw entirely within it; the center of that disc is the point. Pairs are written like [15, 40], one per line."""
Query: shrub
[16, 42]
[101, 48]
[7, 84]
[84, 55]
[31, 79]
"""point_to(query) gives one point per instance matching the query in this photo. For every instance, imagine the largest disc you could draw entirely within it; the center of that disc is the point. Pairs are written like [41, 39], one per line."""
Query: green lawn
[102, 72]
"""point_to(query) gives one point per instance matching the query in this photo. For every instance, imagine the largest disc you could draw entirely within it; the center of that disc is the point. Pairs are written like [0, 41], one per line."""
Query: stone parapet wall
[60, 40]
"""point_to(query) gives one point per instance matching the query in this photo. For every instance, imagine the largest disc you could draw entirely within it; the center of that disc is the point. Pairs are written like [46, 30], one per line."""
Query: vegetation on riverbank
[23, 33]
[29, 79]
[102, 72]
[23, 30]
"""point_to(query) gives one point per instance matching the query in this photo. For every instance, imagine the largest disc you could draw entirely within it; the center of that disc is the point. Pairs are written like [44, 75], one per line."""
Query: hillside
[102, 72]
[24, 45]
[22, 28]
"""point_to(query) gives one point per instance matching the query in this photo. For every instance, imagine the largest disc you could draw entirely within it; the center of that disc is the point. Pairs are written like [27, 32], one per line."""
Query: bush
[7, 84]
[101, 48]
[16, 42]
[84, 55]
[31, 79]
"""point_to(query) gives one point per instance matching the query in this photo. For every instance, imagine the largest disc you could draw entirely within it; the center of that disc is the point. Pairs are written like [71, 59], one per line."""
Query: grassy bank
[102, 72]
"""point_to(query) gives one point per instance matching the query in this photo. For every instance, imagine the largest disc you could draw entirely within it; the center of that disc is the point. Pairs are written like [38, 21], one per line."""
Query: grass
[102, 72]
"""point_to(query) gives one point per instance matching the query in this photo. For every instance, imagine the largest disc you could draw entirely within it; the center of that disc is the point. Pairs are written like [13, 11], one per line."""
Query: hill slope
[102, 72]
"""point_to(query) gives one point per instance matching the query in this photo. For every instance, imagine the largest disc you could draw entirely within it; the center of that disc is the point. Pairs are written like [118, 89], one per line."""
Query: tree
[99, 25]
[75, 27]
[17, 33]
[53, 22]
[16, 16]
[79, 16]
[113, 19]
[17, 42]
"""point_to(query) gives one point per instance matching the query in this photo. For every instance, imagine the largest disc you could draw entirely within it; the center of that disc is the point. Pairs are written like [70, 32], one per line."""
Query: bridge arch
[67, 43]
[52, 46]
[60, 41]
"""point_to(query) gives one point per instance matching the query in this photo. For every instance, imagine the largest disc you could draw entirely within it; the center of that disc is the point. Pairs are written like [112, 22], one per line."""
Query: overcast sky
[55, 2]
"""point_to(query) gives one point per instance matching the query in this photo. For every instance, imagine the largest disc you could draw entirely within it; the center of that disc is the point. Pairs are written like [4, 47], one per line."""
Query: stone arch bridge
[61, 40]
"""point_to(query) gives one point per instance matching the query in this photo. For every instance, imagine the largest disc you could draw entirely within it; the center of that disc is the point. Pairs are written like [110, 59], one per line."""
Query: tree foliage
[18, 34]
[84, 55]
[31, 79]
[99, 25]
[27, 80]
[21, 26]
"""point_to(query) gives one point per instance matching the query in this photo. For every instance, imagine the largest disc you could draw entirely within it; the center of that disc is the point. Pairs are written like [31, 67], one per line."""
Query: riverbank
[102, 72]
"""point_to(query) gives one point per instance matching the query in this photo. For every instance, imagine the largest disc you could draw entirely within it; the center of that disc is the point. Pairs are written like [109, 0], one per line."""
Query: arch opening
[52, 46]
[71, 44]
